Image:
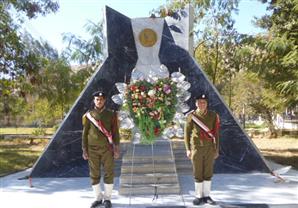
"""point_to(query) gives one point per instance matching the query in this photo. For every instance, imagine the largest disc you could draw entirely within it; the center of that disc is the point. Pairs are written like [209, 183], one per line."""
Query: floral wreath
[153, 108]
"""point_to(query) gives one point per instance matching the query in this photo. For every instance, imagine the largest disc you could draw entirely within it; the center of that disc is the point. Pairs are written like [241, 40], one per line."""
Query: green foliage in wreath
[152, 106]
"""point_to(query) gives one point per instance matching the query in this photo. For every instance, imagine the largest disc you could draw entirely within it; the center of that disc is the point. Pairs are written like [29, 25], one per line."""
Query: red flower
[156, 115]
[133, 87]
[156, 131]
[142, 88]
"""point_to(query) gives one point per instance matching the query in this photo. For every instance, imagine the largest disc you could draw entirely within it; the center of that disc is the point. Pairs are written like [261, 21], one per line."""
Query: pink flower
[167, 89]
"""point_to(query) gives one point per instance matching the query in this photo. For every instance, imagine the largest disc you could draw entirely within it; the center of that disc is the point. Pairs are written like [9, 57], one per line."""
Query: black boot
[96, 204]
[107, 204]
[208, 200]
[198, 201]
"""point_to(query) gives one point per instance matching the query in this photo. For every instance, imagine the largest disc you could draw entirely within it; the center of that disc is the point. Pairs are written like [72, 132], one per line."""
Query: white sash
[204, 127]
[100, 127]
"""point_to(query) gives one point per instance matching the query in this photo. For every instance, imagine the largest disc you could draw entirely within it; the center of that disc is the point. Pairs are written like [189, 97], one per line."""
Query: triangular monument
[63, 155]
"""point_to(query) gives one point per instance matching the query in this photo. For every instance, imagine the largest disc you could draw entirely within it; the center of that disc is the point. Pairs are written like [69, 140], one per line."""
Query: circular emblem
[148, 37]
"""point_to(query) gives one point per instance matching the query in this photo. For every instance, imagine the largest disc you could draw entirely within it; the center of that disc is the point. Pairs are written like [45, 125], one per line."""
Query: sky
[74, 14]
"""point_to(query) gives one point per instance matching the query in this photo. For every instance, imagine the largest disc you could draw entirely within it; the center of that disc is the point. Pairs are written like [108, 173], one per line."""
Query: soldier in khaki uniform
[98, 150]
[202, 148]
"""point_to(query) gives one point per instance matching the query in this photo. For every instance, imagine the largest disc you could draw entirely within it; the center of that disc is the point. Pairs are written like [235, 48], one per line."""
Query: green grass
[14, 130]
[255, 126]
[18, 154]
[282, 150]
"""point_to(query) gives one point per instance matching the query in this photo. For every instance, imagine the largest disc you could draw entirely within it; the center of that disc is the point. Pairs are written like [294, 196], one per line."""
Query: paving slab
[229, 190]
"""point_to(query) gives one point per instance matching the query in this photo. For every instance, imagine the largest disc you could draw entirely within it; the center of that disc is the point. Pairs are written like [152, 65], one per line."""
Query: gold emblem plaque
[148, 37]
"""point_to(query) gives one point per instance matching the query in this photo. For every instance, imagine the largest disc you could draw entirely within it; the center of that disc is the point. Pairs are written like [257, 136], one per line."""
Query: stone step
[186, 166]
[140, 189]
[182, 169]
[179, 151]
[178, 147]
[183, 162]
[148, 159]
[136, 159]
[178, 144]
[185, 171]
[147, 151]
[148, 168]
[181, 158]
[148, 178]
[153, 170]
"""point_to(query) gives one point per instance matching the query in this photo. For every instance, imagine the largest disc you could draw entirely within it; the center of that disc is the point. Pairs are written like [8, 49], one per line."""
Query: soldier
[100, 144]
[202, 147]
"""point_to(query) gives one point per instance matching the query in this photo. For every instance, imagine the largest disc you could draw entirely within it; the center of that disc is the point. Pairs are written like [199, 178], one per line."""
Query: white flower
[151, 93]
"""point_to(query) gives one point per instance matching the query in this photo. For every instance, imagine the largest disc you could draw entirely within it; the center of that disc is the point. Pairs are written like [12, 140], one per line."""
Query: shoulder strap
[99, 125]
[203, 127]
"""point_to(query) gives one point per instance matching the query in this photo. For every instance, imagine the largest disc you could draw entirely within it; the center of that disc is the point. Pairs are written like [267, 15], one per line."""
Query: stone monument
[169, 43]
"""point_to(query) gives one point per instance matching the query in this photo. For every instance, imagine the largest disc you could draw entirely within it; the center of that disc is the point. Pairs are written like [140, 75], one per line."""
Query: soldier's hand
[116, 152]
[85, 155]
[188, 154]
[216, 154]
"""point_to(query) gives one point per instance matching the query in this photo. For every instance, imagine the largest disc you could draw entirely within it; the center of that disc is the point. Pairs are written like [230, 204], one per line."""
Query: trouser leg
[94, 162]
[197, 163]
[208, 173]
[108, 165]
[208, 163]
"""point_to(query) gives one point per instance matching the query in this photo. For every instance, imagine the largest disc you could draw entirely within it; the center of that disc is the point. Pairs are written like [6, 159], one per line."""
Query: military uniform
[100, 152]
[97, 145]
[203, 149]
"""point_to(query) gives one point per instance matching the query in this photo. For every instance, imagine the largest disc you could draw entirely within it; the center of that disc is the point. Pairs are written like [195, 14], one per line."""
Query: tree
[80, 78]
[11, 104]
[56, 85]
[15, 58]
[256, 58]
[42, 113]
[215, 36]
[282, 44]
[19, 87]
[251, 97]
[86, 52]
[214, 29]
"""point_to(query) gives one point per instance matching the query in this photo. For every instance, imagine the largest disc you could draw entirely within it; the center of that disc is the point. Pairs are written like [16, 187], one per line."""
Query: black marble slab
[62, 157]
[238, 154]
